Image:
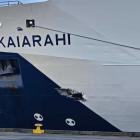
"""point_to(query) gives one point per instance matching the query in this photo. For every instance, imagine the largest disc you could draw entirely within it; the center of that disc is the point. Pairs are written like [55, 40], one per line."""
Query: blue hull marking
[38, 95]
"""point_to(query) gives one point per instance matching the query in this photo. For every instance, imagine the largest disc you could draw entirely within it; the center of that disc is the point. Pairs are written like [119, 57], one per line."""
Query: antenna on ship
[89, 38]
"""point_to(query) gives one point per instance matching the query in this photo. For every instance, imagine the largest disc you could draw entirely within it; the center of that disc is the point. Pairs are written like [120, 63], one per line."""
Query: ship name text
[35, 40]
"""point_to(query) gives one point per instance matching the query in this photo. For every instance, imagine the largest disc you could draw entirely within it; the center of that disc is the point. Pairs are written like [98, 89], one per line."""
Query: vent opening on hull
[71, 93]
[10, 76]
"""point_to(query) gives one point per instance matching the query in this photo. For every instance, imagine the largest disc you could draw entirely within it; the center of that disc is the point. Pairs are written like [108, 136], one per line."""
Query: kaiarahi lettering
[35, 40]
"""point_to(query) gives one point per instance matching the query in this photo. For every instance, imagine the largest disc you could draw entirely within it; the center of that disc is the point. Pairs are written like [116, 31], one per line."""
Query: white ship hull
[68, 51]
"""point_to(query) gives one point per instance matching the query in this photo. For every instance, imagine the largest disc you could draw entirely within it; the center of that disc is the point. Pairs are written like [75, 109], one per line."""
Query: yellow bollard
[38, 129]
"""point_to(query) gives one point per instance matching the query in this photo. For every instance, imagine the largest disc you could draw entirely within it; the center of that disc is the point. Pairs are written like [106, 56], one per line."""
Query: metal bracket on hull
[30, 23]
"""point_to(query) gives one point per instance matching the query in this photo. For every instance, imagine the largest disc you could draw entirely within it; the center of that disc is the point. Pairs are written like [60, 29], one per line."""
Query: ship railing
[10, 3]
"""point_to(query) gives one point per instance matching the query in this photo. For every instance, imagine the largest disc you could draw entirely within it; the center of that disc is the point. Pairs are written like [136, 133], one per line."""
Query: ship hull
[36, 100]
[56, 70]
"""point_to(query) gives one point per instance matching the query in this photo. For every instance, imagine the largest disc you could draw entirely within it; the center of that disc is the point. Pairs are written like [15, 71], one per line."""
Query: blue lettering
[48, 40]
[18, 42]
[26, 42]
[36, 40]
[2, 42]
[11, 42]
[63, 39]
[69, 39]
